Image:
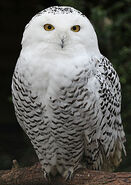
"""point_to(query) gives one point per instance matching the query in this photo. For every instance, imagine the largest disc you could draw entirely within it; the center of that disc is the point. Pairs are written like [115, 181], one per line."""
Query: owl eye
[75, 28]
[49, 27]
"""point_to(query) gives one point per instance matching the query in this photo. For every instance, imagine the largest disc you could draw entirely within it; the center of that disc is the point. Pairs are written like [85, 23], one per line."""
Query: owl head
[61, 29]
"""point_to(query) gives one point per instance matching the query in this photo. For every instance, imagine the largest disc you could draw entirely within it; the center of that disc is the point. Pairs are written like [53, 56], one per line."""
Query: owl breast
[47, 77]
[67, 112]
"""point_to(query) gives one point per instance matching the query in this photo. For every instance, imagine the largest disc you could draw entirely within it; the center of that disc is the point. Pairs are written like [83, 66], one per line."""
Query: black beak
[62, 43]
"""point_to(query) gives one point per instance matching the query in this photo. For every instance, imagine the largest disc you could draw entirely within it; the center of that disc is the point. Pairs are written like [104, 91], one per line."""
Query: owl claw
[68, 175]
[47, 176]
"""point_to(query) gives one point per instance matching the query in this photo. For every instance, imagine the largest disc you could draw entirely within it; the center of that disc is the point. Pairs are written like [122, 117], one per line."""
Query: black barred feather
[82, 128]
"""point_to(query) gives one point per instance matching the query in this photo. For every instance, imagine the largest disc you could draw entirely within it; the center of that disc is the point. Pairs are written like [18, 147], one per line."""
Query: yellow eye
[75, 28]
[49, 27]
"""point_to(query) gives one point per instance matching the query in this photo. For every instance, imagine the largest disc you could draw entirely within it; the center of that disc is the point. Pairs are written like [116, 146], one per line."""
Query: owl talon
[68, 175]
[47, 176]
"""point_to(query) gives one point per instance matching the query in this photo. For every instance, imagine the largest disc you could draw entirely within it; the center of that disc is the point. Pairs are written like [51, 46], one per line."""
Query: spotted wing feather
[106, 144]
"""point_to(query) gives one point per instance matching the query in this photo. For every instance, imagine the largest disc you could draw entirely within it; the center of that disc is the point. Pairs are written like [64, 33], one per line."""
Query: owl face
[61, 32]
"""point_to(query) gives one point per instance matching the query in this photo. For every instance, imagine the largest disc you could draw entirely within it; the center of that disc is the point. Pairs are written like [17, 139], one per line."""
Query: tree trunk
[34, 176]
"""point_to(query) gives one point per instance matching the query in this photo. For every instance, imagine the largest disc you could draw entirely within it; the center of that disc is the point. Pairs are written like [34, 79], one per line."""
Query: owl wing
[104, 146]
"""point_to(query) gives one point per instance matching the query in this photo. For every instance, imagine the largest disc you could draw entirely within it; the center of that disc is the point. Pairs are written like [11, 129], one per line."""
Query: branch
[34, 176]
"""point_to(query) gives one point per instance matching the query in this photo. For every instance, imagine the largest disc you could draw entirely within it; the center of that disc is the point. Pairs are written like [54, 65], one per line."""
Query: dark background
[111, 20]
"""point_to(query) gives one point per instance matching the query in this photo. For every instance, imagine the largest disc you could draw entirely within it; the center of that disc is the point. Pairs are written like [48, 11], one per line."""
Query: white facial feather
[84, 40]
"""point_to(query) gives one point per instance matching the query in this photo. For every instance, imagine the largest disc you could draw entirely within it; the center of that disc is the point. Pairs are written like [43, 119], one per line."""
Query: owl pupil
[74, 27]
[49, 27]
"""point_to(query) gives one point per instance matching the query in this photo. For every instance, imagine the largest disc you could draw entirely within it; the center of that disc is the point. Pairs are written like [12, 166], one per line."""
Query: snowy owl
[67, 95]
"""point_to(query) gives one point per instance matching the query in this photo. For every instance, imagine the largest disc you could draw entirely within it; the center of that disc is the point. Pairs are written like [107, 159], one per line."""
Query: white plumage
[67, 95]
